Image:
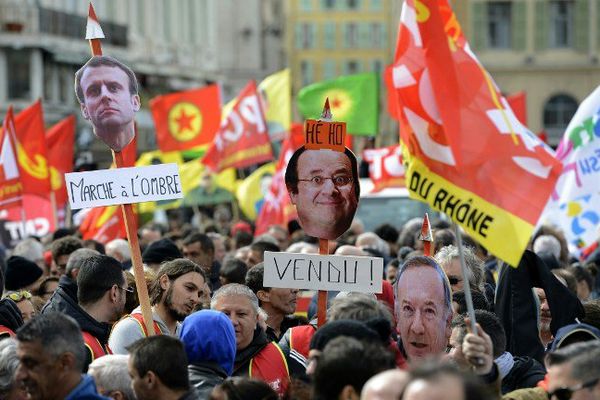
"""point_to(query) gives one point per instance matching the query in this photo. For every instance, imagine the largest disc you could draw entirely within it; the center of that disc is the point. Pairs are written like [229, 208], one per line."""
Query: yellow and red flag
[103, 224]
[60, 140]
[31, 150]
[277, 209]
[243, 139]
[186, 120]
[11, 189]
[467, 154]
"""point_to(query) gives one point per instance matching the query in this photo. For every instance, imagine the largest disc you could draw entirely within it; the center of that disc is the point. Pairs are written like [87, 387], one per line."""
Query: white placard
[320, 272]
[109, 187]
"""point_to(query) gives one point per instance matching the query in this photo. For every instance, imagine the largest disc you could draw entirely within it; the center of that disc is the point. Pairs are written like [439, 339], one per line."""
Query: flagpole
[23, 220]
[54, 210]
[322, 297]
[466, 286]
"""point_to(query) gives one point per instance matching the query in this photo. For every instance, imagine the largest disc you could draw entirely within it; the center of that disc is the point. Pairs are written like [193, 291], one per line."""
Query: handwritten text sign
[320, 272]
[123, 186]
[324, 135]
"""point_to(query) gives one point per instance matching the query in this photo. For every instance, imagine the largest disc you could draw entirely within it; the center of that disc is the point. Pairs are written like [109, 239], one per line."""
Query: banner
[31, 150]
[39, 220]
[11, 189]
[575, 203]
[242, 139]
[60, 142]
[385, 167]
[467, 154]
[354, 99]
[188, 119]
[276, 96]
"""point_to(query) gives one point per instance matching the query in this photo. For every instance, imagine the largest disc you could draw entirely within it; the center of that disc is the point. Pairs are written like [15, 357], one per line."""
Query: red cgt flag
[188, 119]
[10, 183]
[243, 139]
[277, 208]
[385, 167]
[60, 140]
[467, 153]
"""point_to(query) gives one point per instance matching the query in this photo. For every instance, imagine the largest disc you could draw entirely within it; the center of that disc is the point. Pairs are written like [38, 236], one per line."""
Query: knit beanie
[160, 251]
[20, 273]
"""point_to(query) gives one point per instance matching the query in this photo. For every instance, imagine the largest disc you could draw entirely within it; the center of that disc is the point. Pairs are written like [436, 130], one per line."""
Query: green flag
[353, 99]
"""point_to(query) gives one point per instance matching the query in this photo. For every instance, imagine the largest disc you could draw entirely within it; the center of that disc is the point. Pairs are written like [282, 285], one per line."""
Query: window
[377, 39]
[306, 69]
[351, 35]
[499, 24]
[376, 5]
[328, 4]
[558, 111]
[351, 67]
[353, 4]
[17, 69]
[561, 24]
[329, 71]
[377, 66]
[305, 35]
[305, 5]
[329, 35]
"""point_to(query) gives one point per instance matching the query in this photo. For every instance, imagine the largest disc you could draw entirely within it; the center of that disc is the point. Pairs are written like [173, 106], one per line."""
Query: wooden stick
[466, 286]
[322, 299]
[136, 257]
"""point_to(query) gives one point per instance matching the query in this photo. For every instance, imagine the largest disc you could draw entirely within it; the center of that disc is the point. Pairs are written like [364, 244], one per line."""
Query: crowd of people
[71, 326]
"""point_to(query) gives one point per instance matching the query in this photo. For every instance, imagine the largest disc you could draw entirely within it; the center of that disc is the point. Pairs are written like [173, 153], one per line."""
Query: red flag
[39, 220]
[31, 150]
[103, 224]
[518, 103]
[385, 167]
[277, 208]
[243, 139]
[60, 142]
[185, 120]
[469, 156]
[392, 97]
[11, 189]
[130, 151]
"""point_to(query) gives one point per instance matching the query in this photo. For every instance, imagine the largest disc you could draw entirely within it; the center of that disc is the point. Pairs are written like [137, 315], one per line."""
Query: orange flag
[10, 184]
[243, 139]
[188, 119]
[31, 150]
[60, 142]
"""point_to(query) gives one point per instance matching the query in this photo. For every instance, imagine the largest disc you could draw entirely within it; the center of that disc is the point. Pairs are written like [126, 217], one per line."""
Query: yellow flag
[251, 191]
[276, 91]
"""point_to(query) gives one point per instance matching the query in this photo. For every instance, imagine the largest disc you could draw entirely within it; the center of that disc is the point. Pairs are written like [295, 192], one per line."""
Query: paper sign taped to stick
[325, 135]
[109, 187]
[320, 272]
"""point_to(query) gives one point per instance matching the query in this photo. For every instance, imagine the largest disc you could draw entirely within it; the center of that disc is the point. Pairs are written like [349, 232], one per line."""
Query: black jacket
[526, 373]
[518, 310]
[205, 376]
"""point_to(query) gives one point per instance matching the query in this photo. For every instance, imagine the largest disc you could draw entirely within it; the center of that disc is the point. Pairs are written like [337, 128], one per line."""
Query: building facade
[170, 44]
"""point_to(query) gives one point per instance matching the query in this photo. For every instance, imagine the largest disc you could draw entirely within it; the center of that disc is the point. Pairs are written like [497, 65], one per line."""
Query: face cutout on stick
[324, 187]
[107, 91]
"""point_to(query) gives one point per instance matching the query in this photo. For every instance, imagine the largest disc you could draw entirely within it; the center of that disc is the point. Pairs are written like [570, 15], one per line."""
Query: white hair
[30, 249]
[110, 373]
[9, 362]
[547, 244]
[235, 289]
[371, 240]
[120, 246]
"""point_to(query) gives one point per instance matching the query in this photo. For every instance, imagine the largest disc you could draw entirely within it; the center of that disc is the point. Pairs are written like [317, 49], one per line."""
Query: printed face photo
[324, 187]
[108, 99]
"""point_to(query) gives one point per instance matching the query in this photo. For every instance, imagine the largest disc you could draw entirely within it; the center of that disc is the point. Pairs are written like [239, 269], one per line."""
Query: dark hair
[582, 274]
[165, 356]
[98, 61]
[65, 246]
[42, 288]
[568, 353]
[238, 388]
[262, 246]
[58, 334]
[592, 313]
[568, 277]
[94, 245]
[479, 301]
[433, 370]
[348, 361]
[242, 238]
[490, 324]
[387, 232]
[254, 278]
[97, 275]
[173, 269]
[443, 238]
[234, 270]
[206, 244]
[291, 172]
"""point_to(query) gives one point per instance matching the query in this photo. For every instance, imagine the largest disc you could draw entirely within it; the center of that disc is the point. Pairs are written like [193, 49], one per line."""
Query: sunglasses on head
[18, 296]
[565, 393]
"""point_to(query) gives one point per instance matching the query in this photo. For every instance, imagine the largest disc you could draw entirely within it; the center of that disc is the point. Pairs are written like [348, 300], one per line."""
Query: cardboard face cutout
[324, 187]
[107, 93]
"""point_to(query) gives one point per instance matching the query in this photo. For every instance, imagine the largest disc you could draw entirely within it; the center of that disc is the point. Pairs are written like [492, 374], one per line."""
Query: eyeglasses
[128, 289]
[565, 393]
[337, 180]
[18, 296]
[454, 280]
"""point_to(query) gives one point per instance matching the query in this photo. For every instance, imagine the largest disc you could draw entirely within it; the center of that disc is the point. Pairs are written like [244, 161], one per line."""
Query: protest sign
[123, 186]
[319, 272]
[325, 135]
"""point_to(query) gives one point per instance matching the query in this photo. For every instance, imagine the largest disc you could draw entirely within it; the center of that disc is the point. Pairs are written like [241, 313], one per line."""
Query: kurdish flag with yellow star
[354, 99]
[186, 120]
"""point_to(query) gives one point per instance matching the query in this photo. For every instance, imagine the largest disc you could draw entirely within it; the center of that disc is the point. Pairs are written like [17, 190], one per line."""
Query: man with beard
[174, 294]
